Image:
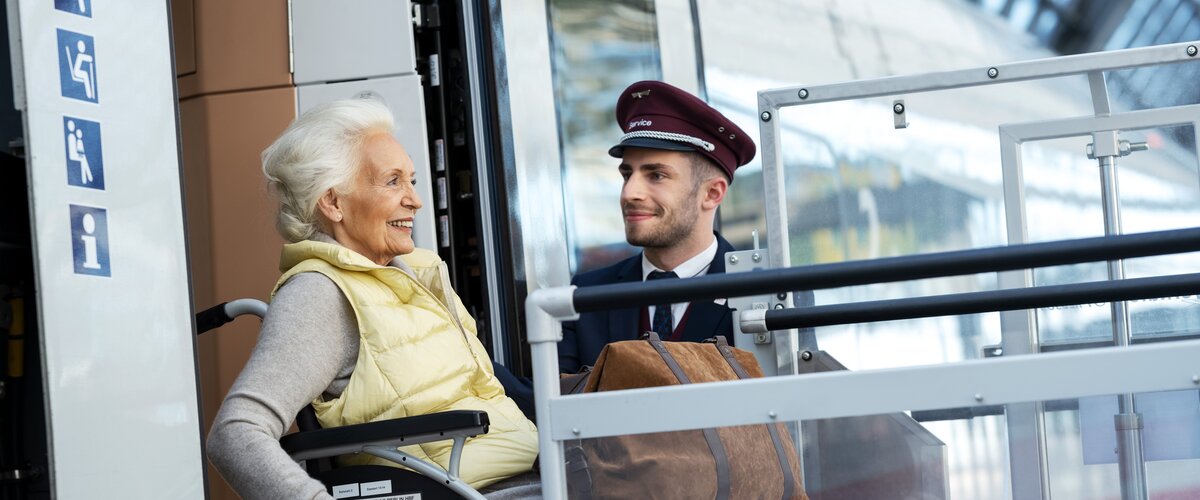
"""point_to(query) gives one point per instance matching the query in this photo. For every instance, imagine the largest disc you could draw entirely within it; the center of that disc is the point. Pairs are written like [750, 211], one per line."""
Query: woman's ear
[330, 206]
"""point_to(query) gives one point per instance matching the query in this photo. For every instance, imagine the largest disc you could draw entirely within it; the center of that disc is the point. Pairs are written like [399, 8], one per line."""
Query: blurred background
[857, 188]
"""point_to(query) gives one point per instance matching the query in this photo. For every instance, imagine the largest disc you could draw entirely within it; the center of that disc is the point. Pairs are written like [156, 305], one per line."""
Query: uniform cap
[656, 115]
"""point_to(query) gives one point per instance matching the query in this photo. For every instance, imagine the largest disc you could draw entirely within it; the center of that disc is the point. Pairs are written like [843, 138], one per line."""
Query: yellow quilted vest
[416, 356]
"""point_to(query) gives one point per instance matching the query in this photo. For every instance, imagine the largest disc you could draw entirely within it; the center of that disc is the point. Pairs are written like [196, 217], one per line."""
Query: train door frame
[527, 171]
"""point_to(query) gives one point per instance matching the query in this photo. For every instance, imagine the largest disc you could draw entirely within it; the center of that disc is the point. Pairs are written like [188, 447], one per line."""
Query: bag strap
[579, 474]
[710, 435]
[788, 480]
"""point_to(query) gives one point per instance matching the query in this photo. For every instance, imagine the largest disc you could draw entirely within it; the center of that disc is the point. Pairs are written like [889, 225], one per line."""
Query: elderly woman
[362, 325]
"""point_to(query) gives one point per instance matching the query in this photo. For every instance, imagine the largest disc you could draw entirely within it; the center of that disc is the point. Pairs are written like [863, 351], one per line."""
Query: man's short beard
[674, 227]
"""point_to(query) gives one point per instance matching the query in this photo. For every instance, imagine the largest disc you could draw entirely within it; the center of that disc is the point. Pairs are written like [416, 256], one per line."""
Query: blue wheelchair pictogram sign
[84, 154]
[77, 66]
[81, 7]
[89, 240]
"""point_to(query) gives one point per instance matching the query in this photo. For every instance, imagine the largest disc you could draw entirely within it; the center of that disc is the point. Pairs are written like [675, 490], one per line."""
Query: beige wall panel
[199, 227]
[240, 45]
[235, 250]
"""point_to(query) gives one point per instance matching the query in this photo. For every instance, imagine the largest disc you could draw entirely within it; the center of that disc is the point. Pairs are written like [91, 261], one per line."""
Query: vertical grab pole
[1106, 147]
[1128, 422]
[544, 310]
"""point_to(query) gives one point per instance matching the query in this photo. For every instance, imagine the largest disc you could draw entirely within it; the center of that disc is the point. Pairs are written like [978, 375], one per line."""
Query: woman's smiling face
[377, 211]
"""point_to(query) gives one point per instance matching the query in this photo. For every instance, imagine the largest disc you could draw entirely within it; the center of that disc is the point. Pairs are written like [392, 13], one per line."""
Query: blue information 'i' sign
[81, 7]
[85, 158]
[77, 66]
[89, 240]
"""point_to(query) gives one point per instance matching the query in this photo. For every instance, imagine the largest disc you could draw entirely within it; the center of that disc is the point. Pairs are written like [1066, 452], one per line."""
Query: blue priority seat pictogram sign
[84, 155]
[79, 7]
[89, 240]
[77, 66]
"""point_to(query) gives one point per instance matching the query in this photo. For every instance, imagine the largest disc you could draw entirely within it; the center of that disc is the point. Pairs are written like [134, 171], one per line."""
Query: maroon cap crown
[656, 115]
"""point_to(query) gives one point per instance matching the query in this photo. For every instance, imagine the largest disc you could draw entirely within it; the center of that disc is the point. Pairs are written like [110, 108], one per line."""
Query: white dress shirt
[695, 266]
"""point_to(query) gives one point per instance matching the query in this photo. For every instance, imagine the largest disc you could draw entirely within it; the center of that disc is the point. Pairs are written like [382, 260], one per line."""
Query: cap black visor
[648, 143]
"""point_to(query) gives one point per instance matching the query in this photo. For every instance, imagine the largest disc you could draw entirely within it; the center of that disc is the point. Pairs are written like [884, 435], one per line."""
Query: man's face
[659, 200]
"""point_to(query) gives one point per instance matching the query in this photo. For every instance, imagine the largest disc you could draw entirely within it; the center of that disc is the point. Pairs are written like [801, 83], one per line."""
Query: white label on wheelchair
[345, 490]
[376, 488]
[354, 490]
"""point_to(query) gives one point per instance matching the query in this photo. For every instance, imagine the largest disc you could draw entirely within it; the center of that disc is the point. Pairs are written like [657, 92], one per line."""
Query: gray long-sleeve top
[308, 346]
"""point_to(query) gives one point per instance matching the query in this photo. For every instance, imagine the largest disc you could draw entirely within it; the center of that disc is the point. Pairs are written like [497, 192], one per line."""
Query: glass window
[599, 48]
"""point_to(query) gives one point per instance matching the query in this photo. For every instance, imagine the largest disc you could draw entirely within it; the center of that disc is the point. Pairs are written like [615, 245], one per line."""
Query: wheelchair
[315, 447]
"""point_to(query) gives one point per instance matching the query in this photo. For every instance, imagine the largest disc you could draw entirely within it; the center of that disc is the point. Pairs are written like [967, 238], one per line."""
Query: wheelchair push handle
[225, 312]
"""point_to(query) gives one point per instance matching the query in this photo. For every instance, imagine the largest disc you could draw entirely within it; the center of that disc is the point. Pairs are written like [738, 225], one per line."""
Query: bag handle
[710, 435]
[727, 353]
[575, 382]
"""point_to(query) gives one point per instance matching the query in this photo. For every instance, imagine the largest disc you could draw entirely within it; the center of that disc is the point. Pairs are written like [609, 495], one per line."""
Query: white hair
[318, 152]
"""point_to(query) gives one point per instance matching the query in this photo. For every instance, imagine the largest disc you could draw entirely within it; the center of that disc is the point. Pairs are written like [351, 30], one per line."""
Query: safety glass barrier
[913, 432]
[858, 187]
[751, 461]
[1155, 86]
[894, 456]
[930, 454]
[967, 384]
[842, 42]
[1157, 189]
[1015, 152]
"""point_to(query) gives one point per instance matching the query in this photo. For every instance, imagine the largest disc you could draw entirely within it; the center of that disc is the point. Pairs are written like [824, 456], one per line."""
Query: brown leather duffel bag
[753, 461]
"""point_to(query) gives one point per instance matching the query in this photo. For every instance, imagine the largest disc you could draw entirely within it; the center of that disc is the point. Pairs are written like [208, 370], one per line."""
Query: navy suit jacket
[584, 338]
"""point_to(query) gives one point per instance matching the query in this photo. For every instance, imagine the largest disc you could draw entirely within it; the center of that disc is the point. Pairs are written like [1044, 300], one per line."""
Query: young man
[678, 156]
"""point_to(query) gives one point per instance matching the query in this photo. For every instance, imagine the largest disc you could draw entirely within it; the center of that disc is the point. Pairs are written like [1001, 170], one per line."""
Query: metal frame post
[545, 309]
[1025, 422]
[787, 343]
[489, 226]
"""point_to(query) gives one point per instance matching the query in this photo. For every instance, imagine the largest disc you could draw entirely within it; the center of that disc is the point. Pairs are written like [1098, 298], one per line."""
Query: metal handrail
[1013, 299]
[1051, 67]
[931, 265]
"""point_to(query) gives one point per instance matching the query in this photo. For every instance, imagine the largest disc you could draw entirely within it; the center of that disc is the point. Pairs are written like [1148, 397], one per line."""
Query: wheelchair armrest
[391, 433]
[225, 312]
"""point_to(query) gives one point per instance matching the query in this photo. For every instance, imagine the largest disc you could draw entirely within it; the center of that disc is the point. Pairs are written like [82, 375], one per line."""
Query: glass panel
[860, 188]
[681, 464]
[895, 456]
[857, 457]
[932, 454]
[856, 187]
[1081, 443]
[1159, 189]
[949, 453]
[751, 46]
[599, 49]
